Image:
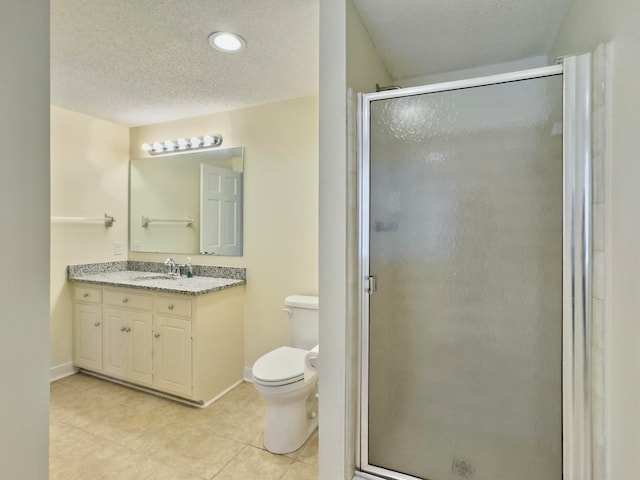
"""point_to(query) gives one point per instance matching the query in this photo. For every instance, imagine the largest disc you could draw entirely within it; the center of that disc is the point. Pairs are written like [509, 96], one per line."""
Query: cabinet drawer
[173, 306]
[88, 294]
[127, 299]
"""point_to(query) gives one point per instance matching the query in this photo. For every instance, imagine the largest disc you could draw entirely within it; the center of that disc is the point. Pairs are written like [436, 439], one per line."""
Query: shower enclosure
[474, 260]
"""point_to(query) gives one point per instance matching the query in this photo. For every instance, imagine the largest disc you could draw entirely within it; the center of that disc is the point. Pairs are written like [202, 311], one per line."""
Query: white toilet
[289, 392]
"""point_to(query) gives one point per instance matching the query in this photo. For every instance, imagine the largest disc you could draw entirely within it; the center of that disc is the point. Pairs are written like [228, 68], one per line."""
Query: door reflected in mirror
[188, 203]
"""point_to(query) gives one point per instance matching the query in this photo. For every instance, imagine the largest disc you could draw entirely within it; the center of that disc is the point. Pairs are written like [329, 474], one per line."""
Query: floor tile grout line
[97, 389]
[230, 460]
[128, 449]
[131, 451]
[104, 438]
[93, 435]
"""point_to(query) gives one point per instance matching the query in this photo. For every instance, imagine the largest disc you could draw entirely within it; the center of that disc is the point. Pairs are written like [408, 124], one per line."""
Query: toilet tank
[303, 320]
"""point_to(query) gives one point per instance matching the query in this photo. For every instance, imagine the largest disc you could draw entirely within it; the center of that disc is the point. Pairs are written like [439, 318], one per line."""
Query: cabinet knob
[125, 300]
[85, 295]
[123, 329]
[127, 329]
[157, 335]
[97, 324]
[170, 306]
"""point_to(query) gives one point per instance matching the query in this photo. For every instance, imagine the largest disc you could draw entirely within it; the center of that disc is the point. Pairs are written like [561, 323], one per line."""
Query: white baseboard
[222, 394]
[247, 375]
[61, 371]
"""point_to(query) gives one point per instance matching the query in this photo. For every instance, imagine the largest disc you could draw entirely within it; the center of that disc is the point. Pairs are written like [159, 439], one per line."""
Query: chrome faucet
[172, 268]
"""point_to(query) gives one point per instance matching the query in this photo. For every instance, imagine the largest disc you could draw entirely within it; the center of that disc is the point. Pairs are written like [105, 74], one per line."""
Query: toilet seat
[282, 366]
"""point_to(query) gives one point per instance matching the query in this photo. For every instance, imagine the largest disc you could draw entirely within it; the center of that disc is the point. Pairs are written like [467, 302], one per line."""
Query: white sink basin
[158, 276]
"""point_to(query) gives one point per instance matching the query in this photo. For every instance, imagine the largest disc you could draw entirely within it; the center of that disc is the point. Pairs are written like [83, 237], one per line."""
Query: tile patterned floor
[104, 431]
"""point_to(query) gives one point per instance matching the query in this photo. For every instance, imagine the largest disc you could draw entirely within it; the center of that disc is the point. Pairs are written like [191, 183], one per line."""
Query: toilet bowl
[287, 387]
[291, 399]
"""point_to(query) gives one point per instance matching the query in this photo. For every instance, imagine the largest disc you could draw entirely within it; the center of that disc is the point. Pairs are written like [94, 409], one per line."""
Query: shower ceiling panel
[416, 38]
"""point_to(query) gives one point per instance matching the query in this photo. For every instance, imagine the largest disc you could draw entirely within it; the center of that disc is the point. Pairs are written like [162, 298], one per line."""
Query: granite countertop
[159, 282]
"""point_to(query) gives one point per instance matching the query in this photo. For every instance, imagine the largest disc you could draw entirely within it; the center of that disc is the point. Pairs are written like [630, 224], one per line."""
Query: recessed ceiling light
[227, 41]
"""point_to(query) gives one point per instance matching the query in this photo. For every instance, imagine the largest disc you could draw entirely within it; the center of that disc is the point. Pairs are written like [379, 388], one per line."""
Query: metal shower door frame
[576, 271]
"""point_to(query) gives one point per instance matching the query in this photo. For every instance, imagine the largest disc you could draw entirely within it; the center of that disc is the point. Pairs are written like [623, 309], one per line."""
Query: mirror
[187, 203]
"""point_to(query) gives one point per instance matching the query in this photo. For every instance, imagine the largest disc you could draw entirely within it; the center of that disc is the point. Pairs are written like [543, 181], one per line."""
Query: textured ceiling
[138, 62]
[421, 37]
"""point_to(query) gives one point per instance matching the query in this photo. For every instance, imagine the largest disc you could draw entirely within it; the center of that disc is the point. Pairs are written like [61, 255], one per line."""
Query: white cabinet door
[220, 211]
[127, 344]
[114, 342]
[140, 347]
[88, 337]
[172, 355]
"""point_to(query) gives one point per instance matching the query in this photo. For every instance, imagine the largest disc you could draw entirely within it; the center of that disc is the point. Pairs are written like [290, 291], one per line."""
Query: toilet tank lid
[302, 301]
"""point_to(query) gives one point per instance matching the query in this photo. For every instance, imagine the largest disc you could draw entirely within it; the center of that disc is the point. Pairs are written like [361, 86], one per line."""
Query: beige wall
[90, 168]
[280, 207]
[89, 177]
[364, 67]
[348, 60]
[485, 70]
[588, 23]
[24, 217]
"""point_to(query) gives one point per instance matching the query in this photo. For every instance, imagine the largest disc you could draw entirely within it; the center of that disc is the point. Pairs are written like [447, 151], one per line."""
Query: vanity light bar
[182, 144]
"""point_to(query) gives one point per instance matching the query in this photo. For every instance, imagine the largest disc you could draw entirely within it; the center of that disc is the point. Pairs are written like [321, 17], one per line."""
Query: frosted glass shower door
[465, 241]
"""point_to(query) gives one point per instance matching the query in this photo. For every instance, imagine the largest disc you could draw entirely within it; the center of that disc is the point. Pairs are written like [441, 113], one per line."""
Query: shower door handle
[371, 284]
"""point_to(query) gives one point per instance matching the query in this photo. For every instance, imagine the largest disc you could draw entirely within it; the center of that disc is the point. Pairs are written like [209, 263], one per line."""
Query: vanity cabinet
[172, 351]
[127, 335]
[126, 346]
[172, 355]
[88, 328]
[189, 346]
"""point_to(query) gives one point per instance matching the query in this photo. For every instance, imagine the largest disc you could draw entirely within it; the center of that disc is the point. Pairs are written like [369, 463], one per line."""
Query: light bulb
[226, 41]
[183, 144]
[146, 147]
[195, 142]
[170, 145]
[208, 140]
[158, 147]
